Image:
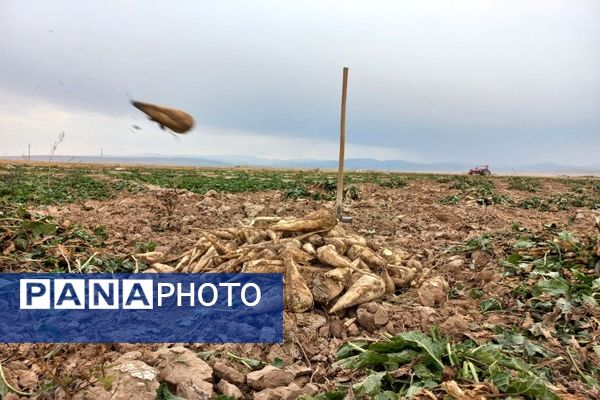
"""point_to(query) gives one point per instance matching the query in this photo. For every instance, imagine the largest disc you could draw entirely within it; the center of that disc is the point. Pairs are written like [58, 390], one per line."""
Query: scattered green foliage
[34, 241]
[405, 364]
[556, 284]
[478, 188]
[451, 199]
[277, 362]
[61, 184]
[294, 184]
[525, 184]
[559, 275]
[490, 305]
[393, 182]
[561, 202]
[325, 190]
[144, 247]
[163, 393]
[581, 193]
[205, 355]
[333, 395]
[483, 242]
[54, 185]
[250, 363]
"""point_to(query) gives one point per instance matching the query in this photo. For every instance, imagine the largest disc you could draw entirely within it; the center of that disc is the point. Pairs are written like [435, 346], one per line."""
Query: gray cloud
[460, 81]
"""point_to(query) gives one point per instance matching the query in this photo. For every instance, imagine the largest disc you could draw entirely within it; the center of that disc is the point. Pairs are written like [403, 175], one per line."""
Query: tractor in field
[480, 170]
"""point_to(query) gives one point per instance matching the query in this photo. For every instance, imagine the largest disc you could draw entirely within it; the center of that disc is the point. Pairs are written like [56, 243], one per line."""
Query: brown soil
[409, 219]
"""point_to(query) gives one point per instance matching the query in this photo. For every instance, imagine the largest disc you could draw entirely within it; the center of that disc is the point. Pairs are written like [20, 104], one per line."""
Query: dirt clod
[225, 372]
[289, 392]
[372, 316]
[28, 379]
[253, 210]
[336, 328]
[228, 389]
[433, 292]
[269, 377]
[455, 264]
[129, 375]
[181, 367]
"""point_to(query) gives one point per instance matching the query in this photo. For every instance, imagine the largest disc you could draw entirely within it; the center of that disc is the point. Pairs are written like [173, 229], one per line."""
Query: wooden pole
[29, 152]
[340, 177]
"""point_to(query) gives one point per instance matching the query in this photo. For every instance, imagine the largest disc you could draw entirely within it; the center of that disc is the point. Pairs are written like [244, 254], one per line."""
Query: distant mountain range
[361, 164]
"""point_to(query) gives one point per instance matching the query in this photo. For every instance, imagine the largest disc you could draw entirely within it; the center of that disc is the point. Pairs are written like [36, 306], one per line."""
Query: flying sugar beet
[176, 120]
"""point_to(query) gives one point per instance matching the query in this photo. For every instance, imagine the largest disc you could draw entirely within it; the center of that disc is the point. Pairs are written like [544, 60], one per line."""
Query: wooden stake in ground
[340, 177]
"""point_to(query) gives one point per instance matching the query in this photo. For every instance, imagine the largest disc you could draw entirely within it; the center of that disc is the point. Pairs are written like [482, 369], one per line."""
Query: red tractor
[480, 170]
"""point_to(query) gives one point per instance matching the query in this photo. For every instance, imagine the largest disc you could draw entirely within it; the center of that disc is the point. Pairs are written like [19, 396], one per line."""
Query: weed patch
[524, 184]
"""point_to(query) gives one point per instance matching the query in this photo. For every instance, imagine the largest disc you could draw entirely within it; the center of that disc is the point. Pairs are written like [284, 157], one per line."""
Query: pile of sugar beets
[321, 262]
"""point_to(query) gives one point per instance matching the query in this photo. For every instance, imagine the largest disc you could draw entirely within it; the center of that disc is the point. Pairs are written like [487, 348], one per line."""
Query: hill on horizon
[350, 164]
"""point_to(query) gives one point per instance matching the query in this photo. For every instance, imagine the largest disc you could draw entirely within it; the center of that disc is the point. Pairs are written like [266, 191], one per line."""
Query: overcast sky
[502, 82]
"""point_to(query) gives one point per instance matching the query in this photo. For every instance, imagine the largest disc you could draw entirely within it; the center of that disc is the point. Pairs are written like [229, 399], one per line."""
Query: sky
[470, 81]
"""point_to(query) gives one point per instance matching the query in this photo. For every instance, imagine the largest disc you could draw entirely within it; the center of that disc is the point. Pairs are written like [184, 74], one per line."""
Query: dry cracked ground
[475, 247]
